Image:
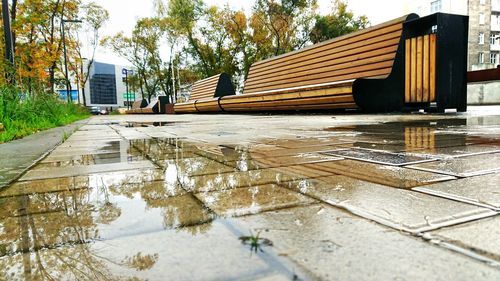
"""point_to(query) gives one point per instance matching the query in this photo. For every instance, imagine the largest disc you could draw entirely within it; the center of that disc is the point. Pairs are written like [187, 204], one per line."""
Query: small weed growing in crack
[255, 242]
[65, 137]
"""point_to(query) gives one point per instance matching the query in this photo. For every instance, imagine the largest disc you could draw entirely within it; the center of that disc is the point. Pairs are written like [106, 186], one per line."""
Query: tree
[202, 30]
[94, 18]
[38, 43]
[341, 21]
[285, 24]
[142, 49]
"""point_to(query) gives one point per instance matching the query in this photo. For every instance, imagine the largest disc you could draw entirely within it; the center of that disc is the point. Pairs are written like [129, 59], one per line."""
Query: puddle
[151, 124]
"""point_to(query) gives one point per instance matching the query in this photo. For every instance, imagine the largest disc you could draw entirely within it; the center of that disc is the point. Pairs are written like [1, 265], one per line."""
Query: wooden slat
[419, 68]
[426, 58]
[350, 105]
[227, 101]
[432, 68]
[187, 107]
[413, 72]
[294, 102]
[407, 70]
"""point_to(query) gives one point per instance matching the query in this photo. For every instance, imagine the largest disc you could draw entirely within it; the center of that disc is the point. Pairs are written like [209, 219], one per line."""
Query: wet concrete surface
[258, 197]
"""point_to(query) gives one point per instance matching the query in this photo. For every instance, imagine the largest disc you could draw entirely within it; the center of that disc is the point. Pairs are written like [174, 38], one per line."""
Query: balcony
[495, 47]
[495, 5]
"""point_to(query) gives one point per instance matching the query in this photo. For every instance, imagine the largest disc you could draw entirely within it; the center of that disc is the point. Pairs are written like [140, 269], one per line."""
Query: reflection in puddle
[152, 124]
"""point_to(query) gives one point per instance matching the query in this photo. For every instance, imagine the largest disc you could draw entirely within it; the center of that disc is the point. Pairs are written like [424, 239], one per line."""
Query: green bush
[23, 115]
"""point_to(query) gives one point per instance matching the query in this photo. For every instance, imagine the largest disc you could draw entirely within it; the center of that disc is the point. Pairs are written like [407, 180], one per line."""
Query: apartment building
[484, 26]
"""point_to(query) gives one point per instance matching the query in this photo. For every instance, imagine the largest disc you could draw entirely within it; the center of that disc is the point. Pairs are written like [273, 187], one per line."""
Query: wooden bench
[485, 75]
[136, 106]
[404, 64]
[206, 93]
[157, 106]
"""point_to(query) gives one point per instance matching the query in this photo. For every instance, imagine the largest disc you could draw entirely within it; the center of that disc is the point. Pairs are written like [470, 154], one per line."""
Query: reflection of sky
[136, 218]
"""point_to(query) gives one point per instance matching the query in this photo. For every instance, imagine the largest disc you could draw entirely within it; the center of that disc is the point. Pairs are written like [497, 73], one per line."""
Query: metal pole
[68, 84]
[173, 83]
[126, 86]
[9, 47]
[178, 83]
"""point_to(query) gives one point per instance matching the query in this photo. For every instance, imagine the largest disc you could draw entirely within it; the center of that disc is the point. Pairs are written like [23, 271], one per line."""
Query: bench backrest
[139, 104]
[216, 86]
[363, 54]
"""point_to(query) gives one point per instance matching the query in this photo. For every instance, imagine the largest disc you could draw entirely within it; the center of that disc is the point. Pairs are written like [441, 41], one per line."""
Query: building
[484, 26]
[106, 86]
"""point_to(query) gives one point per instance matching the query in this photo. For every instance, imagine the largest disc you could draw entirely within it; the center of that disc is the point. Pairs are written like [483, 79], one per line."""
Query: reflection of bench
[404, 64]
[206, 93]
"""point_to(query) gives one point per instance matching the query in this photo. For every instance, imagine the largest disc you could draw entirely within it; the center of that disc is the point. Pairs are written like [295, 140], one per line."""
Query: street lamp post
[126, 72]
[9, 47]
[68, 83]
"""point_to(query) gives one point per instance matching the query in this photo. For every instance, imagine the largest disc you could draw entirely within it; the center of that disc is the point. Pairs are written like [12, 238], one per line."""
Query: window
[482, 2]
[481, 38]
[481, 58]
[481, 18]
[435, 6]
[493, 39]
[493, 58]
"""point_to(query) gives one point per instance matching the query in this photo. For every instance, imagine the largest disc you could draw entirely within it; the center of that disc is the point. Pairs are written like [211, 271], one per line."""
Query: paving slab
[380, 157]
[244, 201]
[225, 181]
[44, 186]
[335, 245]
[480, 190]
[280, 152]
[458, 151]
[397, 208]
[465, 166]
[399, 177]
[197, 166]
[283, 161]
[62, 172]
[479, 236]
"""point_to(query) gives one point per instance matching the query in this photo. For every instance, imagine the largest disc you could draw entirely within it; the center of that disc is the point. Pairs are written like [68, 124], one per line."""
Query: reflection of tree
[141, 262]
[50, 236]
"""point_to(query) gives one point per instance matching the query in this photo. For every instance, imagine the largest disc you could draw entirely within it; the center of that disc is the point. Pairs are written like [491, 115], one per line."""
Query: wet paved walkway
[257, 197]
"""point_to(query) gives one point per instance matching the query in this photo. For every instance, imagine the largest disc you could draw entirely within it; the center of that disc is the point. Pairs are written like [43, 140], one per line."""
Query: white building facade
[106, 86]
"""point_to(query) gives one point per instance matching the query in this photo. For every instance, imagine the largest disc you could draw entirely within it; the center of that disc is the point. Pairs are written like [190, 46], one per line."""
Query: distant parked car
[95, 110]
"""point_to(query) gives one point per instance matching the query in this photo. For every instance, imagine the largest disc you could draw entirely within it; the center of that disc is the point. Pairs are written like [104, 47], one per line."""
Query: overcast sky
[124, 13]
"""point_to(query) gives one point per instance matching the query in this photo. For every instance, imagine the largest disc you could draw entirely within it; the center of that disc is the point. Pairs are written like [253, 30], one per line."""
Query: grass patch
[23, 115]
